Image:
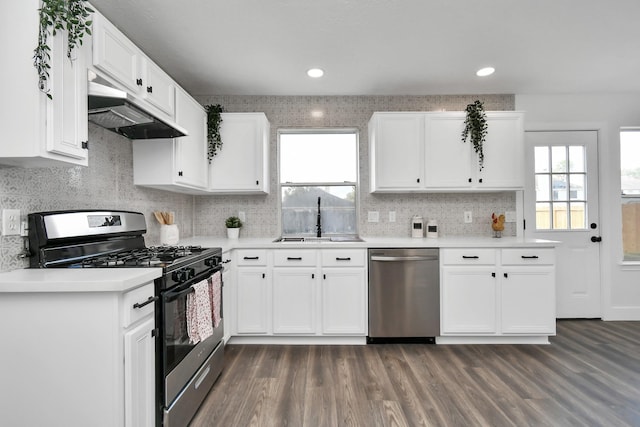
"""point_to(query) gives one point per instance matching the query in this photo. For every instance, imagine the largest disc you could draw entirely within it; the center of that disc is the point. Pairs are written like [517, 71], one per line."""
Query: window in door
[630, 190]
[561, 187]
[318, 166]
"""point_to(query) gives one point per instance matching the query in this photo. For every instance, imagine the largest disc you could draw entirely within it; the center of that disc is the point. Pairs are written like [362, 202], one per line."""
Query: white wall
[606, 112]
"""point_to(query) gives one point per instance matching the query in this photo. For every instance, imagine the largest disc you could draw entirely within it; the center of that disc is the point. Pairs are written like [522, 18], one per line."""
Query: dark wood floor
[588, 376]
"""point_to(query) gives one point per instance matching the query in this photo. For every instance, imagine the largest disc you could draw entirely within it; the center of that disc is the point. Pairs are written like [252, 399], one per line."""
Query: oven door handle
[174, 295]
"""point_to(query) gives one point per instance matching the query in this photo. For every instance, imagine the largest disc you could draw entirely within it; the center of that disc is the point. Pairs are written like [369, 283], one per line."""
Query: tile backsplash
[107, 183]
[354, 112]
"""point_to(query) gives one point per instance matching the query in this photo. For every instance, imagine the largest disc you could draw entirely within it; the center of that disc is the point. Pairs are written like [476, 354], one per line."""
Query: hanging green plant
[214, 118]
[475, 128]
[55, 15]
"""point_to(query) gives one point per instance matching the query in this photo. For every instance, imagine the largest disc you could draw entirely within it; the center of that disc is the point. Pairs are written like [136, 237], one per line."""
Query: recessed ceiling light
[487, 71]
[315, 72]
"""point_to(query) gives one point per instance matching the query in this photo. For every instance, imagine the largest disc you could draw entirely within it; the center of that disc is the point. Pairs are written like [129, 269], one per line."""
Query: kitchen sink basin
[345, 239]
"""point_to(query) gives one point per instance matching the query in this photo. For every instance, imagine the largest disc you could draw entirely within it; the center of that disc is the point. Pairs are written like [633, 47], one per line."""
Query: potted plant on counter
[233, 224]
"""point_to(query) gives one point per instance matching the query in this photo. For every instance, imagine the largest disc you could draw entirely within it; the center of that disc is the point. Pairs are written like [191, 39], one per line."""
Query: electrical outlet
[11, 222]
[468, 217]
[510, 216]
[373, 216]
[242, 216]
[392, 216]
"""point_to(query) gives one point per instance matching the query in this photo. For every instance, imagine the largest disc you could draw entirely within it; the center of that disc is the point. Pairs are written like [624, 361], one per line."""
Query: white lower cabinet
[294, 300]
[344, 292]
[139, 374]
[469, 300]
[301, 293]
[498, 292]
[252, 307]
[85, 358]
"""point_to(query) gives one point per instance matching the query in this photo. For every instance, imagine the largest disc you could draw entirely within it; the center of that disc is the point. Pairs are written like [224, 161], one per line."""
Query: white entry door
[561, 203]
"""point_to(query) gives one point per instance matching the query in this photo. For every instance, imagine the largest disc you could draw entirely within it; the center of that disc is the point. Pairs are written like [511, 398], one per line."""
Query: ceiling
[387, 47]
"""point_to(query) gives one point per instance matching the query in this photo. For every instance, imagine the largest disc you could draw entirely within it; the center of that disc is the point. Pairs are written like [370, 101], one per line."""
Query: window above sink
[318, 176]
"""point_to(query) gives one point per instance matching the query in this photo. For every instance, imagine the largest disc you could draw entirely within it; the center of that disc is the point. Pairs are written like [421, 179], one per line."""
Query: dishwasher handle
[404, 258]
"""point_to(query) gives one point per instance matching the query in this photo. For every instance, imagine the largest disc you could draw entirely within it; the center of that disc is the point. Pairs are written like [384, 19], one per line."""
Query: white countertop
[371, 242]
[76, 280]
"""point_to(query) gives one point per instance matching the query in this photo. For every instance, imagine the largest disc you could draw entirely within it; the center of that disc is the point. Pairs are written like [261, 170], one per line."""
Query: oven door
[181, 359]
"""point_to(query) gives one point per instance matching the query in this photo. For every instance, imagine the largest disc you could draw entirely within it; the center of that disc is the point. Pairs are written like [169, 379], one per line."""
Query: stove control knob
[191, 273]
[180, 275]
[211, 262]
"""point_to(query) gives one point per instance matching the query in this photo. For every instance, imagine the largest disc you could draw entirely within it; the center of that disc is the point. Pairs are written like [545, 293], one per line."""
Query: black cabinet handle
[251, 257]
[480, 180]
[292, 258]
[324, 276]
[506, 275]
[149, 89]
[493, 274]
[529, 257]
[470, 257]
[313, 276]
[155, 332]
[147, 302]
[179, 173]
[418, 180]
[85, 145]
[596, 239]
[257, 182]
[343, 259]
[139, 82]
[263, 275]
[470, 180]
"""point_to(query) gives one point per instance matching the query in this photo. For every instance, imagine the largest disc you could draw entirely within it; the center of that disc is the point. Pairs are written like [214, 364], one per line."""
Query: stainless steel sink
[345, 239]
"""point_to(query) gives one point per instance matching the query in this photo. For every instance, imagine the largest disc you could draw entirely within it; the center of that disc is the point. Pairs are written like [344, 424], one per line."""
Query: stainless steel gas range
[188, 362]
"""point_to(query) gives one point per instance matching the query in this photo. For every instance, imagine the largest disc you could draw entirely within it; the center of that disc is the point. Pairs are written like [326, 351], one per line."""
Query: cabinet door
[468, 300]
[396, 151]
[67, 123]
[251, 301]
[294, 300]
[503, 151]
[240, 166]
[191, 161]
[447, 158]
[528, 300]
[344, 292]
[160, 89]
[139, 377]
[114, 54]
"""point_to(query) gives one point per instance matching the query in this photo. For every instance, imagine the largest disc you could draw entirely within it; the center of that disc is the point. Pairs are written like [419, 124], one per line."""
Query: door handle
[404, 258]
[596, 239]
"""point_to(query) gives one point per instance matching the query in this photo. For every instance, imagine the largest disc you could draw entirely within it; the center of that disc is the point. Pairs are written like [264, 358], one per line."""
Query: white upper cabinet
[123, 61]
[242, 165]
[406, 157]
[178, 164]
[396, 151]
[38, 131]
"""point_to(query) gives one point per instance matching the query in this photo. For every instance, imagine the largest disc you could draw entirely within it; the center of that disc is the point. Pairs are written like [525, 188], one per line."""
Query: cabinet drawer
[295, 257]
[468, 256]
[343, 258]
[134, 307]
[528, 256]
[251, 257]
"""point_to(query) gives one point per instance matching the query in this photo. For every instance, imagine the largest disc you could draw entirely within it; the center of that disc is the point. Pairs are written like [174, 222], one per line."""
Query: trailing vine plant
[56, 15]
[475, 128]
[214, 118]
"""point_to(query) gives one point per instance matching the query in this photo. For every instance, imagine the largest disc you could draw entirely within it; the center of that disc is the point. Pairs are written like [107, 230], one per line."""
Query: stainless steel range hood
[118, 111]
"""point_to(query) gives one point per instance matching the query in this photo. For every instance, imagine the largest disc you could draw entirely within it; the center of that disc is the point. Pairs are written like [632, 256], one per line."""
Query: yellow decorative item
[497, 224]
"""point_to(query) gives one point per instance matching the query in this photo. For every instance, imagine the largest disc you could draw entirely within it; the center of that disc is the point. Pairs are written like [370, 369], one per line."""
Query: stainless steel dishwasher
[404, 295]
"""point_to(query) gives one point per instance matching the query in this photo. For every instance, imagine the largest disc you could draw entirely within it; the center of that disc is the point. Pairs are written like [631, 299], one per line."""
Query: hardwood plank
[588, 375]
